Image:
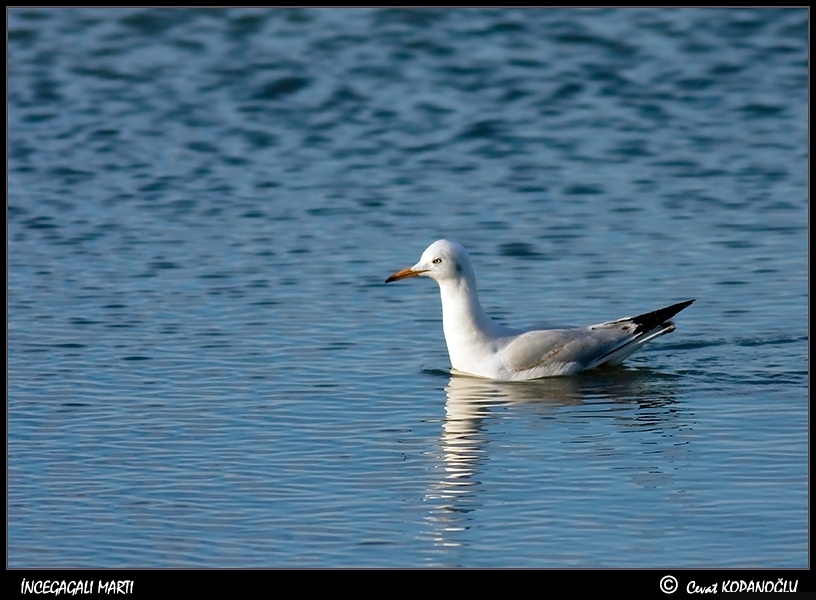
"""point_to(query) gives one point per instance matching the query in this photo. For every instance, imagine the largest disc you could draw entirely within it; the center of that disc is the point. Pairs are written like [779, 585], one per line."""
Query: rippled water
[205, 368]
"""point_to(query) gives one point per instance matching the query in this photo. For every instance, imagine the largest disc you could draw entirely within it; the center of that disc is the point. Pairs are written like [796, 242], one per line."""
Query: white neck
[465, 323]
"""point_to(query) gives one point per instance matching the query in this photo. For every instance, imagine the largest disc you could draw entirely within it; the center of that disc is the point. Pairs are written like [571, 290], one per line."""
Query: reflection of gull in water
[473, 403]
[470, 402]
[479, 346]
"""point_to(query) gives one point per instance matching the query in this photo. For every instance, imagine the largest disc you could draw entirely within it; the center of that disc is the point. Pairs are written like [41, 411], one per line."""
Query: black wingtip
[648, 321]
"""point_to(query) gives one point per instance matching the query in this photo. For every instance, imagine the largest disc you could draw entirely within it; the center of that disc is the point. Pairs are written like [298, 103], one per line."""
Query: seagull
[479, 346]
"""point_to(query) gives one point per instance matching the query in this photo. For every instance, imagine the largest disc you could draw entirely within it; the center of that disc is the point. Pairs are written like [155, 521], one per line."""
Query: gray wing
[571, 350]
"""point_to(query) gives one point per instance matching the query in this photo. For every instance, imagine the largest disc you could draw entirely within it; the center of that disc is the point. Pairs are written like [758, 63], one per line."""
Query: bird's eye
[437, 261]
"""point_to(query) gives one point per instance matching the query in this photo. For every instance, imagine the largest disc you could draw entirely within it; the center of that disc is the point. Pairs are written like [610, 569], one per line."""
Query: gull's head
[442, 260]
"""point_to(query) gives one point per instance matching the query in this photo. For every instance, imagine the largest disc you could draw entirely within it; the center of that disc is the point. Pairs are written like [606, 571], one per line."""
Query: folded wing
[565, 351]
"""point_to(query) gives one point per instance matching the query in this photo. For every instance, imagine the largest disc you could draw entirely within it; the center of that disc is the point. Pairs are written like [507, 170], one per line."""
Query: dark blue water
[206, 369]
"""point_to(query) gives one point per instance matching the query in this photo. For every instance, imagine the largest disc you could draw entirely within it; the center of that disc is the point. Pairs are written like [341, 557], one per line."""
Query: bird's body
[479, 346]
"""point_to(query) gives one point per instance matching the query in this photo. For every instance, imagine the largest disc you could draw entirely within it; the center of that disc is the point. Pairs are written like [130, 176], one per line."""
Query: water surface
[206, 369]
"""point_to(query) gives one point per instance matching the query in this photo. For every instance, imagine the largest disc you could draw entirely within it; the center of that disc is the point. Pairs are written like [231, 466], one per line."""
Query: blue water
[205, 368]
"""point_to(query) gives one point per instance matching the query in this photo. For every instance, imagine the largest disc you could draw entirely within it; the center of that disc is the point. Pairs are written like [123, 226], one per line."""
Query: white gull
[479, 346]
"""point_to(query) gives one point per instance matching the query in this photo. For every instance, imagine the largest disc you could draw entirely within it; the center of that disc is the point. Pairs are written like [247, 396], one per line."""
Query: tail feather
[648, 321]
[649, 326]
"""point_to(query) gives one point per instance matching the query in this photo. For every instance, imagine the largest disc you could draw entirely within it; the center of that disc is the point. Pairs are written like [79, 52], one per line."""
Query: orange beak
[404, 274]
